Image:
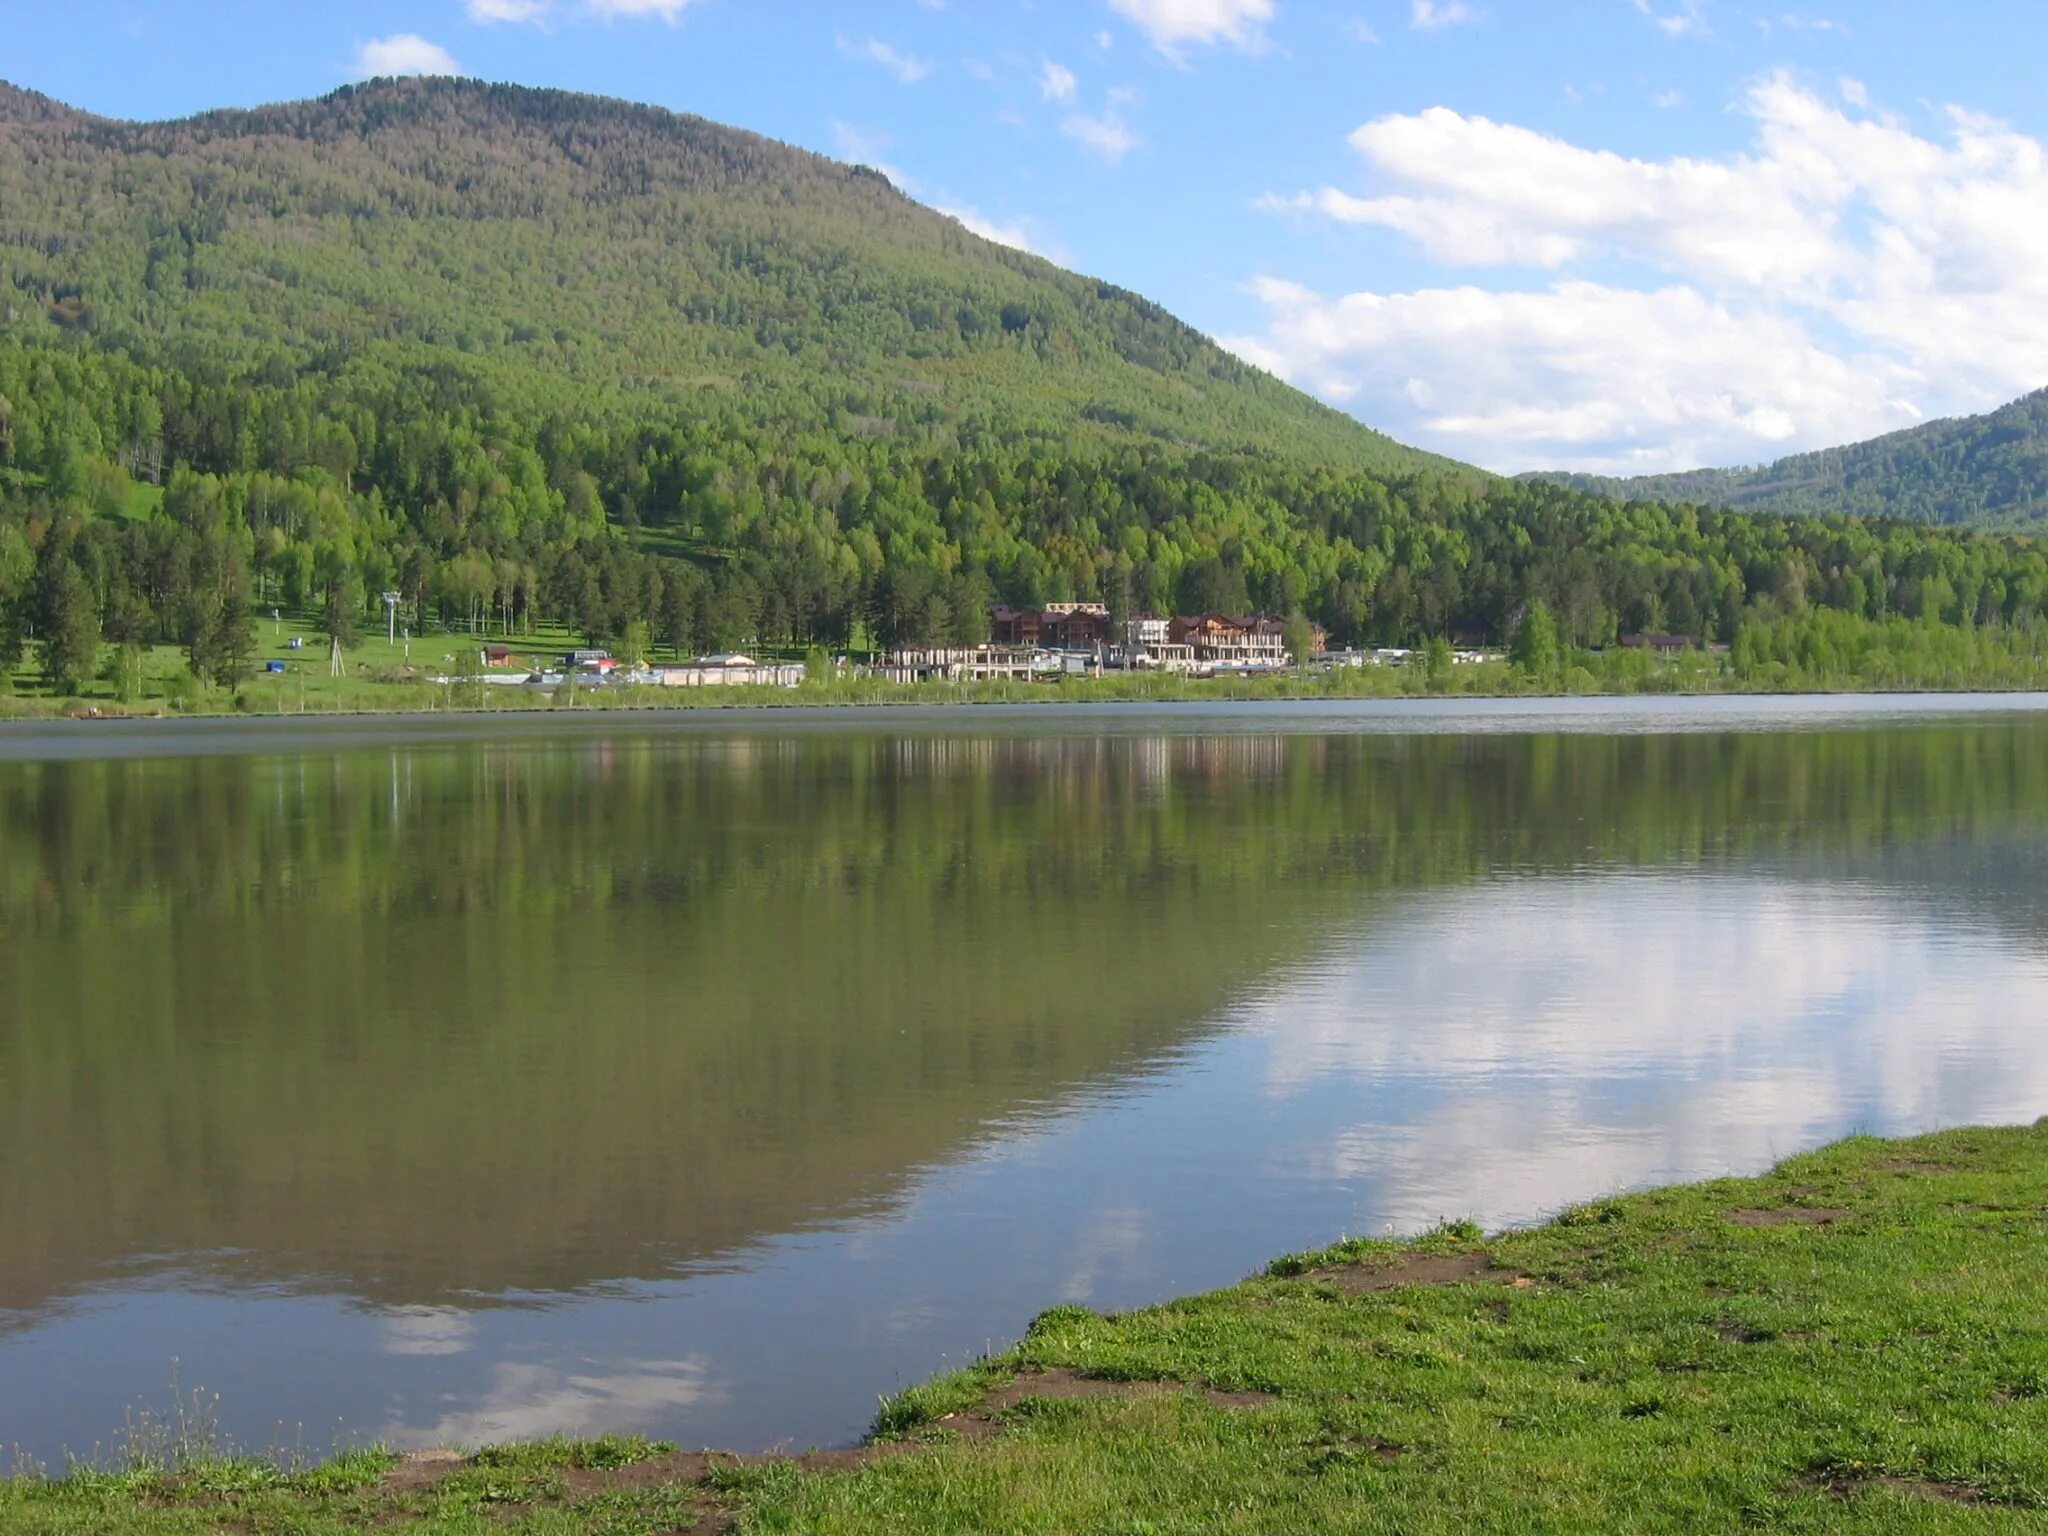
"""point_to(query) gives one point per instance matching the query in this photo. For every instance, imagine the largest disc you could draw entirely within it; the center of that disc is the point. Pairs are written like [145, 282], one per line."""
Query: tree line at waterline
[717, 530]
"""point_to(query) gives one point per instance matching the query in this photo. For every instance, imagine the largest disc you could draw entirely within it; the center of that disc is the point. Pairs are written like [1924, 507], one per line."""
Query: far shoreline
[56, 736]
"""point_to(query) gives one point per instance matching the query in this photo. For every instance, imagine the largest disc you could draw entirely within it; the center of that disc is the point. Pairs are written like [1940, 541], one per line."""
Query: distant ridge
[1988, 471]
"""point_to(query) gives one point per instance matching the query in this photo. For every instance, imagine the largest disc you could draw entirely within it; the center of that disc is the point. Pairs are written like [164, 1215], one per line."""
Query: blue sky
[1617, 234]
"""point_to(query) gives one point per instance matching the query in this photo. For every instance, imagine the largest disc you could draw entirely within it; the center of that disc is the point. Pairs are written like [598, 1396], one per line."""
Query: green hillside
[531, 360]
[1988, 471]
[545, 241]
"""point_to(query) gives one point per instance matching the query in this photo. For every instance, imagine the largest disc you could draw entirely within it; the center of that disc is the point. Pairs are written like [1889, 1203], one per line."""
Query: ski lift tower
[391, 618]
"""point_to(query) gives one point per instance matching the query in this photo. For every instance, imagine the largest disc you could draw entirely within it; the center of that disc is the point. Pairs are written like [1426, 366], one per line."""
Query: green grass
[1868, 1354]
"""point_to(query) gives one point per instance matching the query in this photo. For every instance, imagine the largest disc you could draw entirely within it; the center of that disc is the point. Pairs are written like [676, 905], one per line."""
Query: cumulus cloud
[1013, 234]
[1435, 15]
[667, 10]
[863, 146]
[403, 53]
[1108, 133]
[1105, 132]
[1175, 25]
[906, 67]
[1843, 275]
[488, 12]
[1578, 375]
[1685, 19]
[1056, 82]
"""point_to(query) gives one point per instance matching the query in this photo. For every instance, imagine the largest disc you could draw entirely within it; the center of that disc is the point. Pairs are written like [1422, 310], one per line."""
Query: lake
[711, 1076]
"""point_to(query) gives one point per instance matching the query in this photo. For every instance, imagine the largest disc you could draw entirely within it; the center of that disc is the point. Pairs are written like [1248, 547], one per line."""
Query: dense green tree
[1534, 648]
[342, 611]
[1437, 661]
[1301, 638]
[70, 627]
[232, 642]
[17, 574]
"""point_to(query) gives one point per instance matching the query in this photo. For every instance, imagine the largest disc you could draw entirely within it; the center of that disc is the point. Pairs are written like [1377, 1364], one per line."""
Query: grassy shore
[1857, 1340]
[381, 676]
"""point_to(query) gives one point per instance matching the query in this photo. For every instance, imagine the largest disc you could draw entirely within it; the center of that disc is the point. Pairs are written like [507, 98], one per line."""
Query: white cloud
[1793, 21]
[490, 12]
[1686, 19]
[427, 1331]
[403, 53]
[907, 68]
[1527, 1069]
[1014, 234]
[667, 10]
[1106, 133]
[862, 146]
[1842, 276]
[527, 1402]
[1056, 82]
[487, 12]
[1580, 375]
[1175, 25]
[1664, 101]
[1435, 15]
[1360, 31]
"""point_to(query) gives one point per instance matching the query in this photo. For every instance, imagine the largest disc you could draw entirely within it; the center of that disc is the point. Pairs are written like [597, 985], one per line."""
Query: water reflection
[1632, 1029]
[711, 1086]
[528, 1402]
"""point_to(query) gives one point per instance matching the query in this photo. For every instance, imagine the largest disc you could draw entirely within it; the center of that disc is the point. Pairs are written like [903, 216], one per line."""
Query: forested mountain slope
[520, 355]
[1988, 471]
[543, 241]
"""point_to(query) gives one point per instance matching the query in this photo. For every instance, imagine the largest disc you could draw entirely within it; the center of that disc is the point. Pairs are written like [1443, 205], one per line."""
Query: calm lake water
[712, 1076]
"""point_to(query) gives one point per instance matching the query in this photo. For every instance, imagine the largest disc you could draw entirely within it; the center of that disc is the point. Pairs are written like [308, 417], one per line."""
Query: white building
[968, 663]
[728, 670]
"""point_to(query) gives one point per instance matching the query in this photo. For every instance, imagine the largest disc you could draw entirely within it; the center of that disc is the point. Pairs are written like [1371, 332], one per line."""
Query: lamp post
[390, 618]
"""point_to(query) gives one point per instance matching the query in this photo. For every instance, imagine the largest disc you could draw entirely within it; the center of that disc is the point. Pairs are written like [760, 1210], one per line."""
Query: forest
[523, 358]
[1988, 471]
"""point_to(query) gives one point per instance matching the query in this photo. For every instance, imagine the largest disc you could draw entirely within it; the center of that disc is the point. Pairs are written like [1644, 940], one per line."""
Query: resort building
[728, 670]
[969, 663]
[1256, 641]
[1056, 626]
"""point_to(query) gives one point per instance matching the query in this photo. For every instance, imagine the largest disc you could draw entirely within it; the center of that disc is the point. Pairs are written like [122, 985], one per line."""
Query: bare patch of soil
[684, 1468]
[1417, 1269]
[1911, 1487]
[1325, 1458]
[1790, 1216]
[416, 1470]
[678, 1467]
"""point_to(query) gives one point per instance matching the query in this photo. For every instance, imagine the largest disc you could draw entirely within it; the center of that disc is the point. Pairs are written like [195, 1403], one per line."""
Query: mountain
[521, 357]
[550, 241]
[1987, 471]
